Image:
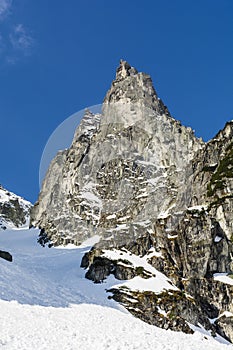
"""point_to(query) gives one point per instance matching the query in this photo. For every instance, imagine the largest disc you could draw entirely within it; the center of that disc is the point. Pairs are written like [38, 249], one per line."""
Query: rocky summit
[157, 200]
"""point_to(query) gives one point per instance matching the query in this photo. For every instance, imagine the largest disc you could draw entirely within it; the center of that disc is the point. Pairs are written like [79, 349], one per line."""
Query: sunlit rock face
[143, 183]
[124, 168]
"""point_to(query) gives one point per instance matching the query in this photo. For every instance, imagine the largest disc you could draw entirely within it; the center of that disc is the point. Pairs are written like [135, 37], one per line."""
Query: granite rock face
[145, 185]
[123, 169]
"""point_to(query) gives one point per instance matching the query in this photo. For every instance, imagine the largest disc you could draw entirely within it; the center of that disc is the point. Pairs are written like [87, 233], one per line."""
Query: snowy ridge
[10, 203]
[7, 196]
[48, 304]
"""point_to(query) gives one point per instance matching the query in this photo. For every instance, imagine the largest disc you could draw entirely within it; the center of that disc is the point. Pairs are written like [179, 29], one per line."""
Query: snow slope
[46, 276]
[46, 303]
[91, 327]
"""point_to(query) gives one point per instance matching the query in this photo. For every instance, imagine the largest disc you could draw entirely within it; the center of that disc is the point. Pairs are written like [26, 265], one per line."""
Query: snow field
[46, 303]
[91, 327]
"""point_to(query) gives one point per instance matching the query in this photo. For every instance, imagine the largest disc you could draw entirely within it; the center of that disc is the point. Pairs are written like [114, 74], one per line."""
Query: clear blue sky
[57, 57]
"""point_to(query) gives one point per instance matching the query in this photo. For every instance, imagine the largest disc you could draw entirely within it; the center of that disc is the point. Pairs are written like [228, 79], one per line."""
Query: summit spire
[131, 86]
[125, 70]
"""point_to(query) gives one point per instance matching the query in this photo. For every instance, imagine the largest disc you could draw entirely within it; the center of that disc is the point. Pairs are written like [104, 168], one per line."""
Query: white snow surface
[198, 207]
[222, 277]
[47, 304]
[226, 313]
[217, 239]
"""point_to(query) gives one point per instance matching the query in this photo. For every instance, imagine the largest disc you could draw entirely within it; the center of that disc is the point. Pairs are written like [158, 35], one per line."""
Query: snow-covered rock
[14, 210]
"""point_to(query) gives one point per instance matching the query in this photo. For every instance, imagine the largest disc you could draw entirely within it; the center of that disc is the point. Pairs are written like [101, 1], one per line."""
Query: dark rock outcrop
[5, 255]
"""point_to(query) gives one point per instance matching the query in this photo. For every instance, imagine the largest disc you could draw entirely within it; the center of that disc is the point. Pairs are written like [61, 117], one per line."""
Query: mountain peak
[125, 70]
[132, 87]
[154, 197]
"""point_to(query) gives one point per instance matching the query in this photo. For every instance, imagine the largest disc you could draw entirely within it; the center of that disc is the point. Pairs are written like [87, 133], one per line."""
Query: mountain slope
[48, 304]
[152, 192]
[89, 327]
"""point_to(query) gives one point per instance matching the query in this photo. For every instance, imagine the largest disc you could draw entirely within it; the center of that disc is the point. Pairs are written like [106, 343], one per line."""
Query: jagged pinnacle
[131, 86]
[125, 70]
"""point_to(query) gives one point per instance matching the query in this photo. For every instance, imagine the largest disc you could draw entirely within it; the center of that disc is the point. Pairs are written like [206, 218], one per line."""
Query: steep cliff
[160, 201]
[124, 167]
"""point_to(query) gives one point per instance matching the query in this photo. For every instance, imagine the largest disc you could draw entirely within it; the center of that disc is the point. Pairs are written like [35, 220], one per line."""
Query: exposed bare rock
[147, 186]
[5, 255]
[124, 167]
